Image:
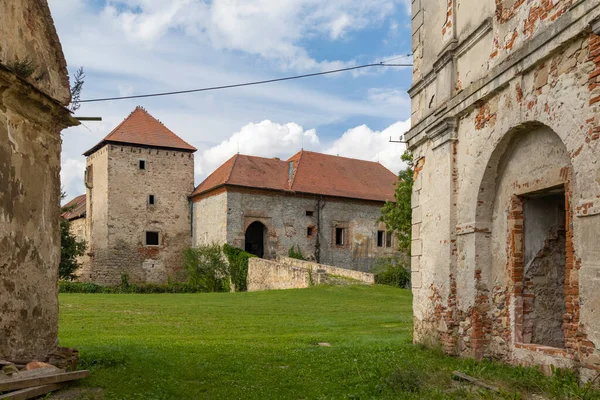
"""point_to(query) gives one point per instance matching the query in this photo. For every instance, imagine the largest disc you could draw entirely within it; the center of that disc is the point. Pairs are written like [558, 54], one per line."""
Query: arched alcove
[521, 244]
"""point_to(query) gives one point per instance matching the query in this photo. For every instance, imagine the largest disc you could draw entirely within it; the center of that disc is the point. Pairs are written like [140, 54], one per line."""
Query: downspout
[318, 243]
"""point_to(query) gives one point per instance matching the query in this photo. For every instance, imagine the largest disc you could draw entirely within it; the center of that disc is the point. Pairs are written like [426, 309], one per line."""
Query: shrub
[392, 271]
[296, 253]
[207, 268]
[238, 266]
[145, 288]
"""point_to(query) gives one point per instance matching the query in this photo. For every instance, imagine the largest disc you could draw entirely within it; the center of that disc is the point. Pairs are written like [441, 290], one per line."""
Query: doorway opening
[544, 267]
[255, 239]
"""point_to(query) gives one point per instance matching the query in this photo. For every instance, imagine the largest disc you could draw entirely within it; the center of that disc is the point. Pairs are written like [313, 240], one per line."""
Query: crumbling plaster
[30, 143]
[528, 122]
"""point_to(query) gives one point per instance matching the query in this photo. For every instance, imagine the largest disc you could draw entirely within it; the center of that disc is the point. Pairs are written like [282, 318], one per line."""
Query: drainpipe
[318, 243]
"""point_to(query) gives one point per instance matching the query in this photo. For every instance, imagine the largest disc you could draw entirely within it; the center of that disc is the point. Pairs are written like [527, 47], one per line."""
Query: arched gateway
[255, 239]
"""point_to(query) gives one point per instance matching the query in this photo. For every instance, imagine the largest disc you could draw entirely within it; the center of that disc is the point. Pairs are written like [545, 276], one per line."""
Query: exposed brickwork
[447, 27]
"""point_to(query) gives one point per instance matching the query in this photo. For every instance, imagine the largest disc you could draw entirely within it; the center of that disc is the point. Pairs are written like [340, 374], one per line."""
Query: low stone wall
[289, 273]
[330, 270]
[272, 275]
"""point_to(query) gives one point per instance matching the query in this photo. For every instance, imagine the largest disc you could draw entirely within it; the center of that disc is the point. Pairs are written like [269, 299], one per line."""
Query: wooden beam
[32, 392]
[42, 380]
[474, 381]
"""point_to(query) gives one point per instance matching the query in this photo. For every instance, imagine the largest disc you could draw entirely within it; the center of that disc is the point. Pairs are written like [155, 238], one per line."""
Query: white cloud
[365, 144]
[271, 29]
[270, 139]
[71, 177]
[265, 139]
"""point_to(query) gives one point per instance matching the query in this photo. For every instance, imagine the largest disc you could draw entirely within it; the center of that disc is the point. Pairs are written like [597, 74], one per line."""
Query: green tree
[398, 216]
[70, 249]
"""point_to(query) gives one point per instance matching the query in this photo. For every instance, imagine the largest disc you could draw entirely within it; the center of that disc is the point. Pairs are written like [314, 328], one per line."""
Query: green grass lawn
[265, 346]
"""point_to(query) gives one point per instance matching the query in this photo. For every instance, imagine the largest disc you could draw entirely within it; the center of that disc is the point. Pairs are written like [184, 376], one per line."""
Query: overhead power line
[289, 78]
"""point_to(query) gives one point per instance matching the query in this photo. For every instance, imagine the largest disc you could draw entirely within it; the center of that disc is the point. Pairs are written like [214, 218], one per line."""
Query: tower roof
[142, 129]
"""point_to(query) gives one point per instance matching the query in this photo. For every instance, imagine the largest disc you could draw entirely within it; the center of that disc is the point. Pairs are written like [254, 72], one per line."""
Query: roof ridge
[235, 158]
[291, 183]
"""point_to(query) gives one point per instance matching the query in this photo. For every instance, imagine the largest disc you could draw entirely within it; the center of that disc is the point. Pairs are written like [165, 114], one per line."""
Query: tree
[70, 249]
[76, 88]
[398, 216]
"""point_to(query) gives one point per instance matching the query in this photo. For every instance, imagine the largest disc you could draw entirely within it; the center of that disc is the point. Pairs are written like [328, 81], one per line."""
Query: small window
[151, 238]
[388, 239]
[309, 231]
[151, 199]
[380, 238]
[339, 236]
[142, 164]
[309, 213]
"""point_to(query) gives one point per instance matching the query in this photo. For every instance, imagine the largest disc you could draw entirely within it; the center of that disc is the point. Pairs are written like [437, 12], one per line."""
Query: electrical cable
[206, 89]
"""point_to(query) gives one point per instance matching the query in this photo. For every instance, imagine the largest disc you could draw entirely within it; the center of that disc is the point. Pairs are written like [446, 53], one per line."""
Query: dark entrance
[255, 239]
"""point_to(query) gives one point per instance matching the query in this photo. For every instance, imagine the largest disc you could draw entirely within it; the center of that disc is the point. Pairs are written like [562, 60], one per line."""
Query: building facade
[34, 91]
[506, 209]
[137, 211]
[325, 206]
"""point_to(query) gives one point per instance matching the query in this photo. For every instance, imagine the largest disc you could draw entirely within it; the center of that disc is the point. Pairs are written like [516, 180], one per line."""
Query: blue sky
[140, 46]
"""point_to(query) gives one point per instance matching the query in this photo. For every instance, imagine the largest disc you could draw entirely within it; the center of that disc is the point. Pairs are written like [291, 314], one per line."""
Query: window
[152, 239]
[309, 213]
[388, 239]
[142, 164]
[380, 238]
[89, 176]
[151, 199]
[339, 236]
[309, 231]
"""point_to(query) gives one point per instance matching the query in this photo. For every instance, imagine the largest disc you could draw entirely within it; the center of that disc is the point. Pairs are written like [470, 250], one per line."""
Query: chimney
[290, 170]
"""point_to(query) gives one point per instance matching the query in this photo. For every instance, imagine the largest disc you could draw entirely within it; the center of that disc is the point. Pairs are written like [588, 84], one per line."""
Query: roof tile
[311, 172]
[142, 129]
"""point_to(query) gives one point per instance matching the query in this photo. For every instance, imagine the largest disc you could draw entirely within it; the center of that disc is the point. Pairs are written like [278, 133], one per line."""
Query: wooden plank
[31, 374]
[30, 393]
[464, 377]
[21, 383]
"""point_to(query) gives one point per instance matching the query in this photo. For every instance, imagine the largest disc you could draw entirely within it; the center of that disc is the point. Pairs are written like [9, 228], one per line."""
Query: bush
[392, 271]
[207, 268]
[145, 288]
[296, 253]
[238, 266]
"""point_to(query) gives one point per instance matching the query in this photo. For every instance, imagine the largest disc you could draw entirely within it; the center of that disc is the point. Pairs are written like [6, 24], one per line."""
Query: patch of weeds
[24, 68]
[405, 379]
[110, 358]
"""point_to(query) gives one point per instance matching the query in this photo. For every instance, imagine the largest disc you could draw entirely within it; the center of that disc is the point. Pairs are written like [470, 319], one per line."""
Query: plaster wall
[526, 122]
[30, 144]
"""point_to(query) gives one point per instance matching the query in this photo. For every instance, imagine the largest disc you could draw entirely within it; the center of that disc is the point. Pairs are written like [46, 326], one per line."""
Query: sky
[129, 47]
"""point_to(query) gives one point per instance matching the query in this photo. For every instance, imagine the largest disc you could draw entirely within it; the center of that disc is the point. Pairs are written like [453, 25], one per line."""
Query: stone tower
[137, 179]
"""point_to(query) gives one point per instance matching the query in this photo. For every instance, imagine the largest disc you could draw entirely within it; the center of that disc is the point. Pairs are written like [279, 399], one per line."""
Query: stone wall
[30, 144]
[328, 269]
[271, 275]
[209, 219]
[287, 218]
[523, 124]
[119, 213]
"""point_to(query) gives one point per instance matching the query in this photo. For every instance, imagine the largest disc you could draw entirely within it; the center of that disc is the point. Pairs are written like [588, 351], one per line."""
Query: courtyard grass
[265, 346]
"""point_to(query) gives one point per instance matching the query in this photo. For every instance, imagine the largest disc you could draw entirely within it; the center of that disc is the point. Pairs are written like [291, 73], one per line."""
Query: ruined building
[327, 206]
[141, 210]
[506, 203]
[34, 90]
[137, 217]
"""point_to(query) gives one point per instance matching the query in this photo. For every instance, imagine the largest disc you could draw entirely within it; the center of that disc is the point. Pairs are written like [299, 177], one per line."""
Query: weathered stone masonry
[507, 193]
[32, 114]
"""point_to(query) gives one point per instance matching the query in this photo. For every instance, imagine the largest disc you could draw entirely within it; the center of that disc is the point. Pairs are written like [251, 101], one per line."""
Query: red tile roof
[142, 129]
[312, 173]
[75, 208]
